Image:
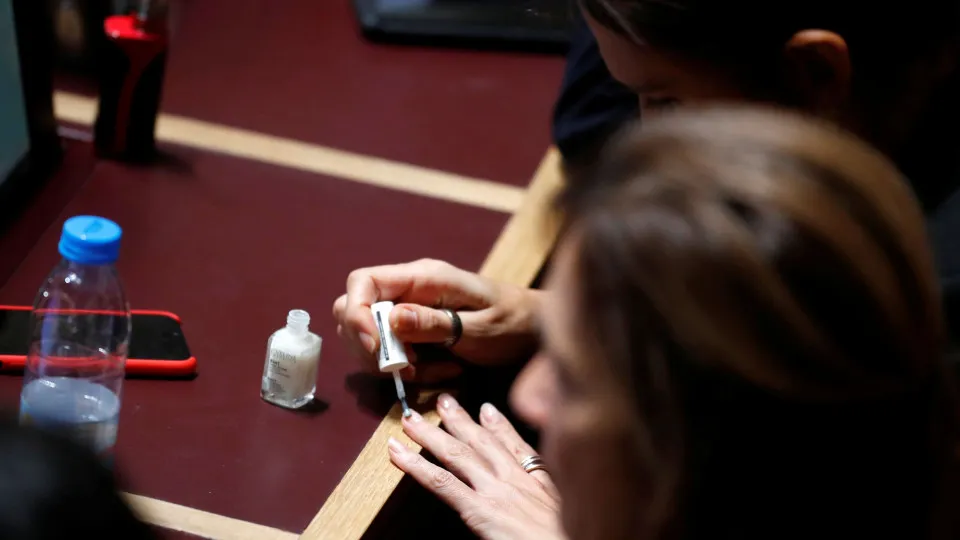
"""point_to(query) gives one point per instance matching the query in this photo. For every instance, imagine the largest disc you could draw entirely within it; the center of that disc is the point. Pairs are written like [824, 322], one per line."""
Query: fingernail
[406, 320]
[396, 446]
[447, 402]
[414, 417]
[489, 412]
[368, 343]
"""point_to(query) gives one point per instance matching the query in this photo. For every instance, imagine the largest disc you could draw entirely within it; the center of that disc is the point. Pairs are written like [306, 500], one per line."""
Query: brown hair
[763, 286]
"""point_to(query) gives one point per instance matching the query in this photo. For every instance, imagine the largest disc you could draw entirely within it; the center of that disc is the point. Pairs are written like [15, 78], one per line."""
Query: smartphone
[157, 345]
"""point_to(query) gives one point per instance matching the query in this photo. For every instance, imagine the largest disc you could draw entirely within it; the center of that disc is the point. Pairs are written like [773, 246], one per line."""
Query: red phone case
[134, 366]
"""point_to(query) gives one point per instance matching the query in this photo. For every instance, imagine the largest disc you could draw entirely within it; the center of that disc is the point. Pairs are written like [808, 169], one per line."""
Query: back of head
[53, 489]
[762, 286]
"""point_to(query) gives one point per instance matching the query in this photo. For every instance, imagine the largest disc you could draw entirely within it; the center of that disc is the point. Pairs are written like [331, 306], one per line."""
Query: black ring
[456, 330]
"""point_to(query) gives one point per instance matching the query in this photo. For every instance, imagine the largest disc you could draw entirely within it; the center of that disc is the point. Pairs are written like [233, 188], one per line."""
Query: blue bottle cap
[90, 240]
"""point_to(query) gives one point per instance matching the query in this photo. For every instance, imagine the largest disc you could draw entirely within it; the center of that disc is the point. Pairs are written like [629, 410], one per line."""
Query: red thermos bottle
[131, 78]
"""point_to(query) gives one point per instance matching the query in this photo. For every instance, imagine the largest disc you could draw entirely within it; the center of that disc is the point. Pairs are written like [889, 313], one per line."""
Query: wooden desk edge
[516, 257]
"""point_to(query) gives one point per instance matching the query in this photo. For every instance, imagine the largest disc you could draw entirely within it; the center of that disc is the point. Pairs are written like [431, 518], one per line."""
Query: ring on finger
[456, 328]
[532, 463]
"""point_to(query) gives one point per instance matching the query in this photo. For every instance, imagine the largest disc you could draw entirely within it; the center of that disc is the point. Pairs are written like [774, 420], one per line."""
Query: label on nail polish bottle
[392, 356]
[290, 375]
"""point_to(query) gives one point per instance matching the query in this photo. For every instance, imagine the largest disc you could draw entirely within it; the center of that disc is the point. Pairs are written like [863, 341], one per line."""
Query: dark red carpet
[167, 534]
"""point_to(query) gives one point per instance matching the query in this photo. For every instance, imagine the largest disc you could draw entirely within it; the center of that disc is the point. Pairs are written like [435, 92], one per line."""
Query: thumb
[413, 323]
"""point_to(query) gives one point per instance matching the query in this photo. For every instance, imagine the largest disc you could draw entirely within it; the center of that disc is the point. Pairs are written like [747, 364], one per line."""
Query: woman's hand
[499, 320]
[485, 484]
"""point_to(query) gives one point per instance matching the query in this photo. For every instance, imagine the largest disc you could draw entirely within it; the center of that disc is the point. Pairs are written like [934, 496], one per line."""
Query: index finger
[425, 282]
[441, 482]
[365, 287]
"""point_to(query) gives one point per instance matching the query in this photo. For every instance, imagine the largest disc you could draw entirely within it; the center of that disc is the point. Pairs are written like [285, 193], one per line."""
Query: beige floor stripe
[516, 257]
[200, 523]
[313, 158]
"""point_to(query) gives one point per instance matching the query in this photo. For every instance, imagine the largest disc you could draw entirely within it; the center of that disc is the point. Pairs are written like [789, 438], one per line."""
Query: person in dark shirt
[887, 72]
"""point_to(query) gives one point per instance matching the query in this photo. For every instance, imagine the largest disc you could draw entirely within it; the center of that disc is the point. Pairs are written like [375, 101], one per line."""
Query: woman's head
[852, 61]
[738, 291]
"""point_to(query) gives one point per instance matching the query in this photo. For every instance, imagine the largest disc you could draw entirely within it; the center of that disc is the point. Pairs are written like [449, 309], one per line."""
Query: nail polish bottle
[290, 368]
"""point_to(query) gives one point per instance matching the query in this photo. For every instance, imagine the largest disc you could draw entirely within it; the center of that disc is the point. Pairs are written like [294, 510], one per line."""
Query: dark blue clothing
[592, 105]
[943, 225]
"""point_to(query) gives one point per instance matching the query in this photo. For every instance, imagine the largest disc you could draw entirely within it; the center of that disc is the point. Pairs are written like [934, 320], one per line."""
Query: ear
[818, 71]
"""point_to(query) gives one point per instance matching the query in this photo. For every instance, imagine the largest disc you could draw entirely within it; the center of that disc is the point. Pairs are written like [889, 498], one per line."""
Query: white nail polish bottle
[290, 369]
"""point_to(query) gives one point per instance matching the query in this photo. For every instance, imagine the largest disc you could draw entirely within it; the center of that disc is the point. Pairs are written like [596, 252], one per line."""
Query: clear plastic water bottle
[80, 338]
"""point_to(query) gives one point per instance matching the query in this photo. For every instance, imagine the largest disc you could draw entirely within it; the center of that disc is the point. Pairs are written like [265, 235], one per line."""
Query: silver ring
[456, 328]
[532, 463]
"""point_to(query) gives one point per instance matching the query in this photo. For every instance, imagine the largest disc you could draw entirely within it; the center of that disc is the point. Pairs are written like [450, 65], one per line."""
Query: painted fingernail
[414, 417]
[447, 402]
[406, 320]
[489, 412]
[368, 343]
[396, 446]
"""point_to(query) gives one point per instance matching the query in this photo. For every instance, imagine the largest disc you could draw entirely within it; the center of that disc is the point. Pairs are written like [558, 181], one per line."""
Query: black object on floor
[523, 25]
